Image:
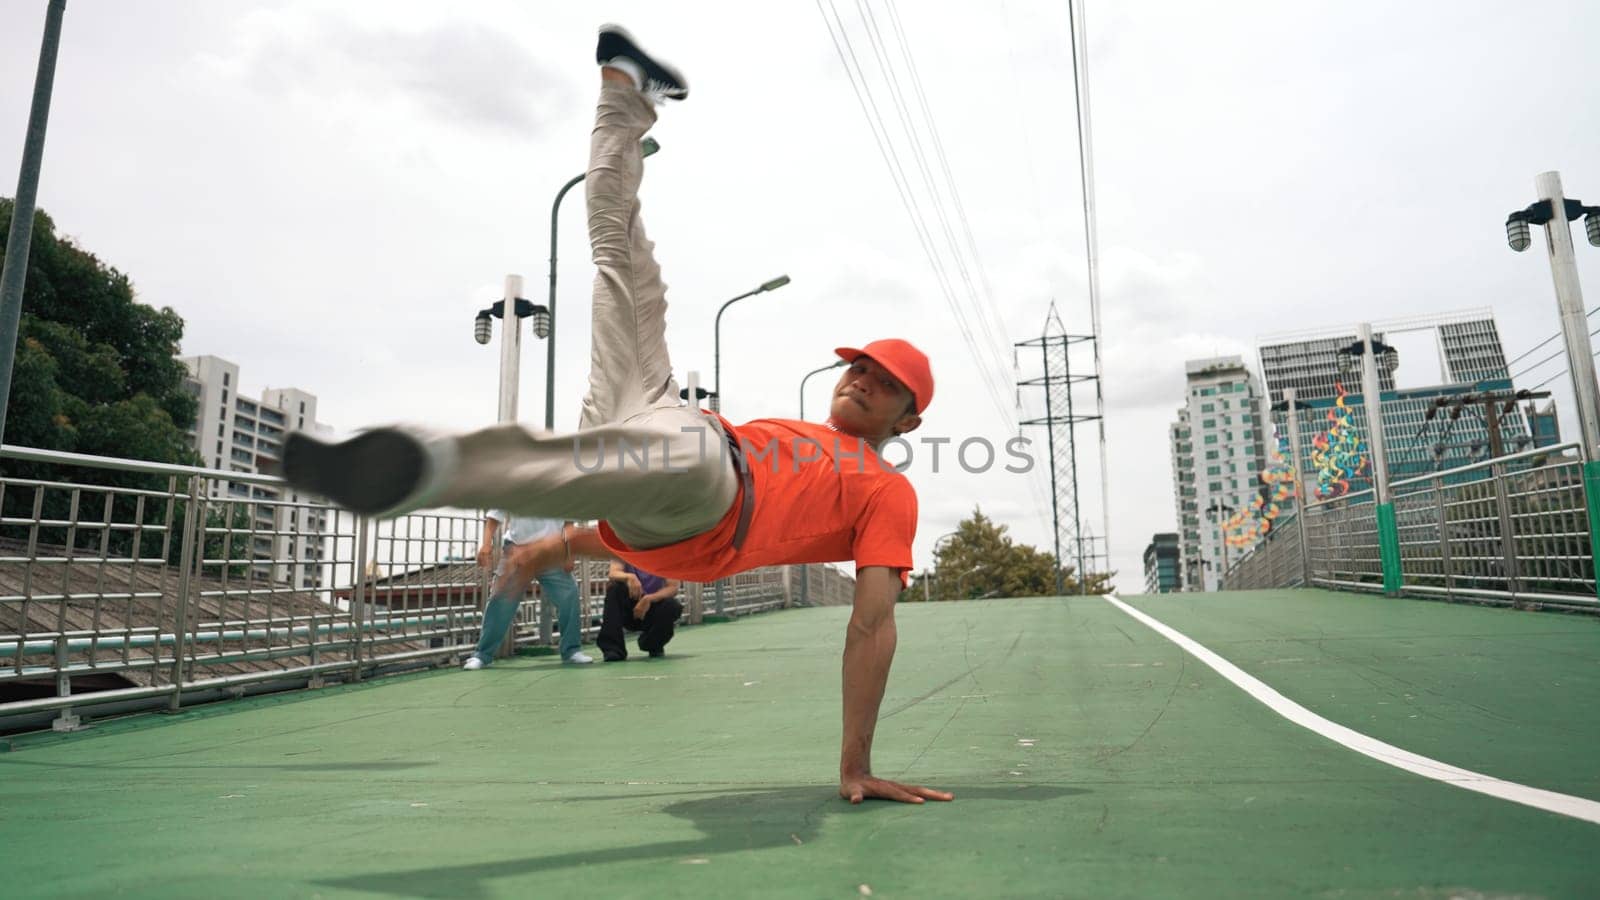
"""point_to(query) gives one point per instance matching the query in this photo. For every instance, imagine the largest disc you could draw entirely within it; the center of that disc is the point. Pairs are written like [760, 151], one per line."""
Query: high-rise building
[1185, 496]
[1457, 412]
[1217, 456]
[236, 434]
[1161, 564]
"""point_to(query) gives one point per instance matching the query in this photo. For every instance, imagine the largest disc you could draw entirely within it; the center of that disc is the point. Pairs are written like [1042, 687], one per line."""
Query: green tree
[96, 373]
[981, 560]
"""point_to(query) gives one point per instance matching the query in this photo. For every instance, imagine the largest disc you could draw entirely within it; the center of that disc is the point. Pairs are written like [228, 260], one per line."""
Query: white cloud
[323, 190]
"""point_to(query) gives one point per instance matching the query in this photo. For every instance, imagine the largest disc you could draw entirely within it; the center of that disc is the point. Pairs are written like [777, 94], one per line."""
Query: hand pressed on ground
[864, 787]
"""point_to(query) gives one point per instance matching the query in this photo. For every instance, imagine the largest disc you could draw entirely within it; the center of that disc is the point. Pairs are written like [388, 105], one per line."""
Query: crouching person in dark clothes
[636, 600]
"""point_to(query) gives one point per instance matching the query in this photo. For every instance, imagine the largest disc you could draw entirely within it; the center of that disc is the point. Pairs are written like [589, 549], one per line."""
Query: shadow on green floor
[731, 822]
[181, 766]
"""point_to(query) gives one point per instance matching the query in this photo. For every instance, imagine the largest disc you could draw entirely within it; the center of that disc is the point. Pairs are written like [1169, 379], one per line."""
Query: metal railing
[1274, 562]
[1512, 529]
[128, 582]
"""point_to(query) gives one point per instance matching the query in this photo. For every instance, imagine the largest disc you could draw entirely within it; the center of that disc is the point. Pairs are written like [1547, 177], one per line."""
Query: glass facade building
[1162, 574]
[1425, 429]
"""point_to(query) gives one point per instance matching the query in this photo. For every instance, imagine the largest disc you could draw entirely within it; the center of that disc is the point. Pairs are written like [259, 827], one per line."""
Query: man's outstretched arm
[868, 651]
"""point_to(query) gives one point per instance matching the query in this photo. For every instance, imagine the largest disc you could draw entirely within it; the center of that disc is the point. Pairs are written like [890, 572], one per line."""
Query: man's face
[870, 403]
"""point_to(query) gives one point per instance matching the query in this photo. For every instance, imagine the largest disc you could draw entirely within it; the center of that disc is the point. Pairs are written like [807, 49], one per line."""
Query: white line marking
[1549, 801]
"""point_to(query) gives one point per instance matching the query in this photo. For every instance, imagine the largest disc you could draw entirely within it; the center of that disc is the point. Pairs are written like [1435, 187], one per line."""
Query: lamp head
[1517, 234]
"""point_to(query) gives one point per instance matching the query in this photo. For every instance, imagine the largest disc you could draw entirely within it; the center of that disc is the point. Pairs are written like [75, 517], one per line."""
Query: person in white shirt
[507, 589]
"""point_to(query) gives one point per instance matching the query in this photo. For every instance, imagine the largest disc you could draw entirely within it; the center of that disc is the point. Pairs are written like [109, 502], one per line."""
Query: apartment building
[1218, 452]
[235, 433]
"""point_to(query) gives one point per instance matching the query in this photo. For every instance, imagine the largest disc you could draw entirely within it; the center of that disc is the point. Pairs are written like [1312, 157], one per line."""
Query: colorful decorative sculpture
[1340, 454]
[1254, 522]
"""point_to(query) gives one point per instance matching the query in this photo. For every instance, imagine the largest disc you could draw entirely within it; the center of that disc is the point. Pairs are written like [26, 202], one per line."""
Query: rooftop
[1089, 755]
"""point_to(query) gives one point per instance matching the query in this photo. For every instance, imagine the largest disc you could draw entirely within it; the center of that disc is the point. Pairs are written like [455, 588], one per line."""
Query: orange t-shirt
[821, 496]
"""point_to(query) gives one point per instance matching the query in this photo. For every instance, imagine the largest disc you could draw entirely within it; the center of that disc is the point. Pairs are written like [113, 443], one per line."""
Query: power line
[1078, 28]
[920, 157]
[869, 108]
[990, 308]
[1558, 353]
[1529, 352]
[1564, 370]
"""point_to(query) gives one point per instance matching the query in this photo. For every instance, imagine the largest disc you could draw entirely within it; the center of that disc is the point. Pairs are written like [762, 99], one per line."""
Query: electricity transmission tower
[1061, 418]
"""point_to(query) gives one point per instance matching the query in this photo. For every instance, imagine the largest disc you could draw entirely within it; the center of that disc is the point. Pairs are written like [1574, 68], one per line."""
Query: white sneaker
[472, 664]
[579, 658]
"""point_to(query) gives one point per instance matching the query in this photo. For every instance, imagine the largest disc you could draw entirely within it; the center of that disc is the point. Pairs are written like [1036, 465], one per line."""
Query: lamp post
[1369, 349]
[833, 365]
[1569, 295]
[1554, 211]
[647, 147]
[716, 351]
[14, 272]
[1215, 512]
[511, 308]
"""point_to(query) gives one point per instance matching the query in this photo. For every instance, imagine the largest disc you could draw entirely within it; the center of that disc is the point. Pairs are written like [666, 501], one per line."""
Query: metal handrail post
[358, 596]
[1508, 539]
[194, 525]
[1299, 484]
[1445, 563]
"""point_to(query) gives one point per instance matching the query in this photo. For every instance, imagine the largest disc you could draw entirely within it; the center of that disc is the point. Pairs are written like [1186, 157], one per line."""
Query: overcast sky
[327, 193]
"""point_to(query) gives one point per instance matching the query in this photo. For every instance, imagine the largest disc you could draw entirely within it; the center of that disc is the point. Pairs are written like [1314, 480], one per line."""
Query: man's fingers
[890, 790]
[885, 789]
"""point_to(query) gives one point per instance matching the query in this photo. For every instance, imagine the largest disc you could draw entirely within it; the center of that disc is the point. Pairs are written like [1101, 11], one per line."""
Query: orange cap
[904, 361]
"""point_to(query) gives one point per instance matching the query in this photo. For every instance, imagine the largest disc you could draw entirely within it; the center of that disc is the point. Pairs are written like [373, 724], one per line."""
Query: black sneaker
[371, 474]
[660, 79]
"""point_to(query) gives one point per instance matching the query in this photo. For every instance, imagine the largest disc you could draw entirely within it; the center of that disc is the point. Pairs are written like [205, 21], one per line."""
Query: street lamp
[510, 339]
[700, 393]
[647, 147]
[833, 365]
[716, 352]
[1553, 210]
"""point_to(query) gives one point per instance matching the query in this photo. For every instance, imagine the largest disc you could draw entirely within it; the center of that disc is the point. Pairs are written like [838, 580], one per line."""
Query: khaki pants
[656, 471]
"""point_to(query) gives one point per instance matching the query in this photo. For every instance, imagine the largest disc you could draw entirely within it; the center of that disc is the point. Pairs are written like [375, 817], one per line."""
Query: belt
[747, 485]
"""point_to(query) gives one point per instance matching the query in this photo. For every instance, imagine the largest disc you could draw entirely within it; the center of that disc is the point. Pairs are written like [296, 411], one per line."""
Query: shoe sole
[615, 41]
[369, 474]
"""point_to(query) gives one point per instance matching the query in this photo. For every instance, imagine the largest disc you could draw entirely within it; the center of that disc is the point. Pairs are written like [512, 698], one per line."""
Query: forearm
[868, 654]
[666, 593]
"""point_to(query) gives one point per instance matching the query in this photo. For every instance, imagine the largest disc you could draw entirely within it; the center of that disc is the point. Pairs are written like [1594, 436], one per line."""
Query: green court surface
[1090, 757]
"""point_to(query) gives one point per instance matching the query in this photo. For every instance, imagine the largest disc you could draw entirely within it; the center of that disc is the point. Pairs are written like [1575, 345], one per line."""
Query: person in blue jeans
[507, 588]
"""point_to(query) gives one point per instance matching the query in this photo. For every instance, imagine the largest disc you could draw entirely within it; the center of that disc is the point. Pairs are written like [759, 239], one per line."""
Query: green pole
[1591, 493]
[1389, 548]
